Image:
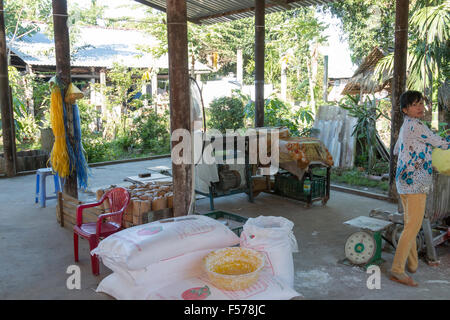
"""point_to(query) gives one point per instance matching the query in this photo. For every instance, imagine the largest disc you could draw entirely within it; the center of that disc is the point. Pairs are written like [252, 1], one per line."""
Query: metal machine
[219, 178]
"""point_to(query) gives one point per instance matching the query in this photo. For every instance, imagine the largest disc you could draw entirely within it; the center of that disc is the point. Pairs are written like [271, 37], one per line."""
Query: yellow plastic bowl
[233, 268]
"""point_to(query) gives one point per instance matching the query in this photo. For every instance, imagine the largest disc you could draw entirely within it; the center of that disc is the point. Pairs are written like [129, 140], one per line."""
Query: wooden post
[283, 82]
[398, 84]
[179, 98]
[102, 92]
[62, 53]
[5, 104]
[239, 67]
[154, 87]
[259, 61]
[325, 78]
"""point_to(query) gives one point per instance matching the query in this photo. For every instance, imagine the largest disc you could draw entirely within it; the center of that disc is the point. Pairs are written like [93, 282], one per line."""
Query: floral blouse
[414, 148]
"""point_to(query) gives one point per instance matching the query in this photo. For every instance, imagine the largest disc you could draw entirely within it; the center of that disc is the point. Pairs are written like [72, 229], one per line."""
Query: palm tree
[428, 50]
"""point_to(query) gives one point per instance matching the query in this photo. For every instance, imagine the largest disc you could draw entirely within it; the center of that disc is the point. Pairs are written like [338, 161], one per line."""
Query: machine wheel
[397, 231]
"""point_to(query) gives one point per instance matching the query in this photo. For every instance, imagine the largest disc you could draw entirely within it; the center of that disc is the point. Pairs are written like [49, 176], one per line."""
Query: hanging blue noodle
[69, 145]
[77, 159]
[81, 163]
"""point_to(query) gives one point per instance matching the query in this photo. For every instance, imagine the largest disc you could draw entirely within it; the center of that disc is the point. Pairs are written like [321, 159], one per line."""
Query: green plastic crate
[233, 221]
[288, 185]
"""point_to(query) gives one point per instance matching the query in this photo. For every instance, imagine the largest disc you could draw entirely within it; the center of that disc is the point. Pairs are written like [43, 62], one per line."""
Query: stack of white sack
[151, 256]
[170, 266]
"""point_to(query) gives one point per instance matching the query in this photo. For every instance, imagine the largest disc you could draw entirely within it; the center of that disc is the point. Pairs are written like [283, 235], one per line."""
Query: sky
[338, 51]
[339, 62]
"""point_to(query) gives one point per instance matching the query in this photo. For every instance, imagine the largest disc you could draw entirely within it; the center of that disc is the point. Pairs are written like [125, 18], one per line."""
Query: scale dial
[360, 247]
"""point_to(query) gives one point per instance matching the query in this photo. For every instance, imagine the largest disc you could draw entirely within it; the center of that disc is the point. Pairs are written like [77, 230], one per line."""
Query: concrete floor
[35, 251]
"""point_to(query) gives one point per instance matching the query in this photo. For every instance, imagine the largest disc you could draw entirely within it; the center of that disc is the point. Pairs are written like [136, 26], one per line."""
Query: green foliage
[97, 149]
[147, 132]
[278, 113]
[124, 84]
[151, 131]
[356, 178]
[368, 24]
[26, 126]
[87, 16]
[226, 113]
[428, 49]
[380, 167]
[290, 35]
[18, 11]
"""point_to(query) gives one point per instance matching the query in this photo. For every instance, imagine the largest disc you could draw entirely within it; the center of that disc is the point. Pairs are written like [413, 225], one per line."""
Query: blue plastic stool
[41, 195]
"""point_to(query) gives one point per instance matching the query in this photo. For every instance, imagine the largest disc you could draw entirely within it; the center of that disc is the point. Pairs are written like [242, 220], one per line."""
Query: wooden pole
[325, 78]
[239, 67]
[259, 62]
[179, 98]
[62, 53]
[5, 105]
[283, 82]
[398, 84]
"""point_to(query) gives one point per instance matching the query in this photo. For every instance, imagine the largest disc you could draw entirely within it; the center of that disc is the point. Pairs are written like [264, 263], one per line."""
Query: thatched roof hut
[363, 80]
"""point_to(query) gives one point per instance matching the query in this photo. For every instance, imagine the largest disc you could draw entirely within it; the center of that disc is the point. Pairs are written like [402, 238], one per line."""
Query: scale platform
[363, 248]
[368, 223]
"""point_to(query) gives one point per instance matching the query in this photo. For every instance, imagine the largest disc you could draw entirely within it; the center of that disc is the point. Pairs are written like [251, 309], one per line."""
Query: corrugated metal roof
[95, 47]
[210, 11]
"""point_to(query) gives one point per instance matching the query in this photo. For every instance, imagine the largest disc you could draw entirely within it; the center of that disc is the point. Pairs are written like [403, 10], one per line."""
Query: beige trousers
[414, 210]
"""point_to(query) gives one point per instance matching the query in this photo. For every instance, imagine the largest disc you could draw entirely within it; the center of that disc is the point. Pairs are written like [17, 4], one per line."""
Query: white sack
[140, 246]
[272, 236]
[119, 288]
[268, 287]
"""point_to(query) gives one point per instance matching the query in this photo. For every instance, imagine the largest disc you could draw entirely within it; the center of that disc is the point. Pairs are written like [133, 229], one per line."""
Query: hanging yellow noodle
[59, 157]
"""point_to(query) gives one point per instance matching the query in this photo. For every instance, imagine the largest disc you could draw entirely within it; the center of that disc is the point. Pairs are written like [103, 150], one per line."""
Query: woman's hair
[409, 97]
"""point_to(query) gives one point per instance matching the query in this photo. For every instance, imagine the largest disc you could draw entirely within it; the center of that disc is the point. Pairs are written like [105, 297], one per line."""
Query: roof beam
[283, 3]
[228, 13]
[286, 4]
[154, 6]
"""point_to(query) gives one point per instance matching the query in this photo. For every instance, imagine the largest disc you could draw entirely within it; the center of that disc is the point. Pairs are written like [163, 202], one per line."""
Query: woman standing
[413, 180]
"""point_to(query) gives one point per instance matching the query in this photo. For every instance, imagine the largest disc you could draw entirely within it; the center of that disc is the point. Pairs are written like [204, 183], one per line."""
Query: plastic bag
[441, 161]
[272, 236]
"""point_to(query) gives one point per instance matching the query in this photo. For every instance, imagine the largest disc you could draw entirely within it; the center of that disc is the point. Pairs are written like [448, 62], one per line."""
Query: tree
[87, 16]
[22, 17]
[297, 38]
[368, 24]
[125, 84]
[428, 50]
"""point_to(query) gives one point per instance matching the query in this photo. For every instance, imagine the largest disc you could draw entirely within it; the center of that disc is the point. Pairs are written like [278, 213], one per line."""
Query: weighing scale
[363, 248]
